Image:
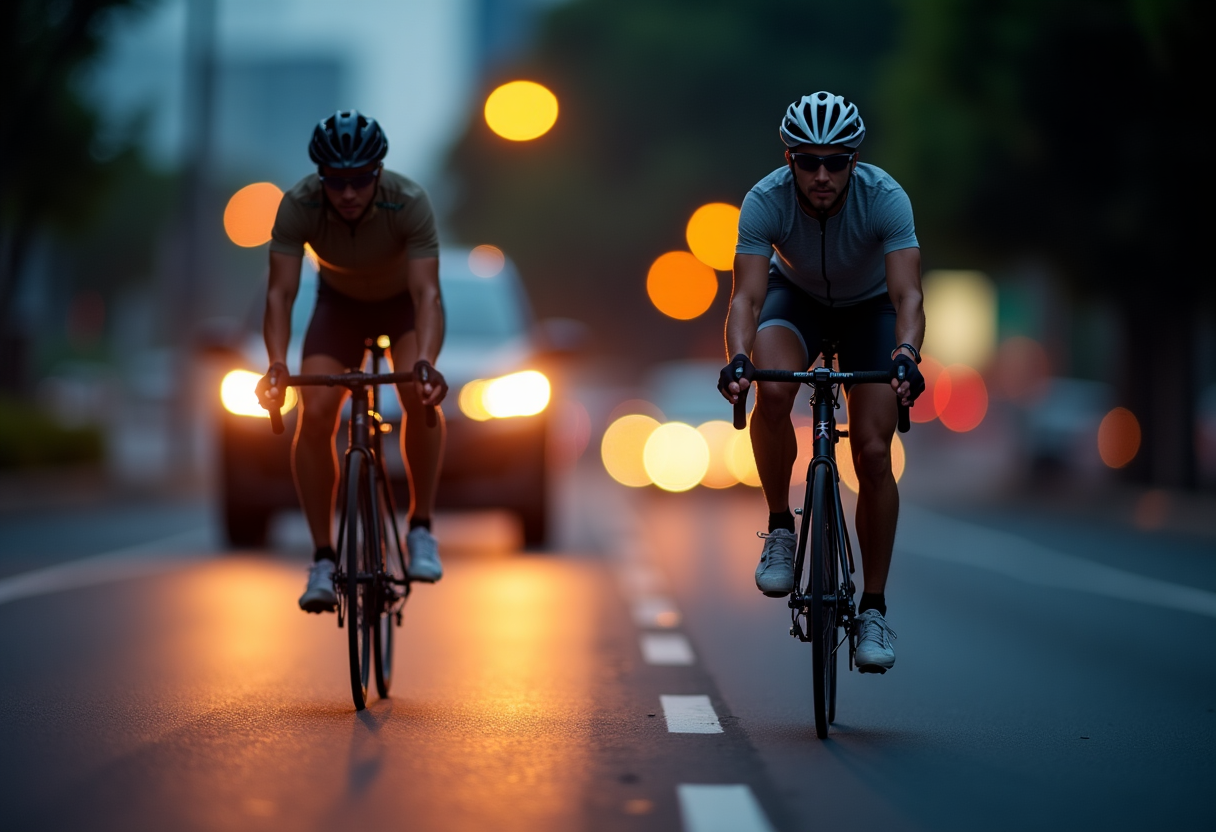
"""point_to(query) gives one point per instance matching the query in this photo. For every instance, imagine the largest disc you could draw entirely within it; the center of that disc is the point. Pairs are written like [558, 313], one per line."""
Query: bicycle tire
[382, 646]
[358, 608]
[823, 608]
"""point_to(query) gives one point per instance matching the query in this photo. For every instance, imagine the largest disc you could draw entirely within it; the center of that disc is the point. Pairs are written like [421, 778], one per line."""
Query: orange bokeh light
[681, 286]
[960, 398]
[1118, 437]
[924, 409]
[712, 232]
[250, 213]
[486, 261]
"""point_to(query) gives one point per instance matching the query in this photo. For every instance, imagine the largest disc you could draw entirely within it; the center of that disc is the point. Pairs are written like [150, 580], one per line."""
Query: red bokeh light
[924, 409]
[1119, 437]
[961, 398]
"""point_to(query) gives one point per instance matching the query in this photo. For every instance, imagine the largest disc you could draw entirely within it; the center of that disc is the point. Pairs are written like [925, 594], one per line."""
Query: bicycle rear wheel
[360, 603]
[823, 599]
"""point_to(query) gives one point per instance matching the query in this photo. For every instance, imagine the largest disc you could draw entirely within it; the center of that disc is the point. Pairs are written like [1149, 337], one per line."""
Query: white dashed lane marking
[690, 715]
[656, 613]
[667, 648]
[721, 809]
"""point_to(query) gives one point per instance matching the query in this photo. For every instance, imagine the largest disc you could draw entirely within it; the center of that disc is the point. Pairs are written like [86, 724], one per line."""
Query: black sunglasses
[810, 162]
[358, 181]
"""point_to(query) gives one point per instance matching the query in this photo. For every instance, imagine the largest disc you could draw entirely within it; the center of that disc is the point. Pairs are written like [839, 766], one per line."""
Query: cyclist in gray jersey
[827, 249]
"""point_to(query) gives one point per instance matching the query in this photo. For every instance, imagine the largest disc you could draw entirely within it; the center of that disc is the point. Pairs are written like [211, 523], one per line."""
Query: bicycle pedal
[870, 668]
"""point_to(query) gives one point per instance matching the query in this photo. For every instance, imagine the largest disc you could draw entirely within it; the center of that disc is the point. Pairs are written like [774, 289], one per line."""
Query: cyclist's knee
[872, 460]
[775, 401]
[318, 422]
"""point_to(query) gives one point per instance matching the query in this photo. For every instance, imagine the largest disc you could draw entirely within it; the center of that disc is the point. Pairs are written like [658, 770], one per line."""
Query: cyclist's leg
[421, 446]
[314, 459]
[867, 338]
[786, 327]
[772, 432]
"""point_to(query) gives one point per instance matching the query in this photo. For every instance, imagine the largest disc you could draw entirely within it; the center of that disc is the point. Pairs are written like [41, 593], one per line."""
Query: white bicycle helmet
[822, 118]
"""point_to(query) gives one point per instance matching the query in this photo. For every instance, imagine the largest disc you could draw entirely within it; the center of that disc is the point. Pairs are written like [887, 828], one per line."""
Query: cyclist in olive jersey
[827, 250]
[373, 234]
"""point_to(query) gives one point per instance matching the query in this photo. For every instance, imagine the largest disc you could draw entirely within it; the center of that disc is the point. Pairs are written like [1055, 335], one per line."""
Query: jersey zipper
[823, 258]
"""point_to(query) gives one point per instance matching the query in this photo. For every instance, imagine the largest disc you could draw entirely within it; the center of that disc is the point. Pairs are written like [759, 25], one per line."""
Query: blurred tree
[1071, 132]
[49, 178]
[665, 105]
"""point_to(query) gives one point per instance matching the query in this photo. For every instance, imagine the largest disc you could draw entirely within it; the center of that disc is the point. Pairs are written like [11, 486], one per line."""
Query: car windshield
[481, 309]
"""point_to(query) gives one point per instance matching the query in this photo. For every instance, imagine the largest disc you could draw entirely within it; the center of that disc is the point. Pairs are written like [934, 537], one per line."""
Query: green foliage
[30, 438]
[48, 176]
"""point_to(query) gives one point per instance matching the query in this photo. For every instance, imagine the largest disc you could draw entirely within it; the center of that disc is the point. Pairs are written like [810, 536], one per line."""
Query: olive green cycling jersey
[365, 260]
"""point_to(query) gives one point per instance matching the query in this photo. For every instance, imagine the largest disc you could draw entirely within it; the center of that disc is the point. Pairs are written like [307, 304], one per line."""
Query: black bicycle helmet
[347, 139]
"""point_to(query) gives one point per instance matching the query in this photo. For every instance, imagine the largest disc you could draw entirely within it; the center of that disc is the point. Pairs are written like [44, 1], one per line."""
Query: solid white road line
[690, 715]
[149, 558]
[931, 535]
[656, 612]
[667, 648]
[721, 809]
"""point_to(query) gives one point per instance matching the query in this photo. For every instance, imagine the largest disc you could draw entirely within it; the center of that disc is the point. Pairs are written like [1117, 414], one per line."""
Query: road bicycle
[821, 604]
[372, 584]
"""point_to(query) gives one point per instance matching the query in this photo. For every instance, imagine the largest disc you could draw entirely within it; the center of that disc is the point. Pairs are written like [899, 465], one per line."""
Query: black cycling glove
[740, 367]
[273, 378]
[427, 374]
[912, 375]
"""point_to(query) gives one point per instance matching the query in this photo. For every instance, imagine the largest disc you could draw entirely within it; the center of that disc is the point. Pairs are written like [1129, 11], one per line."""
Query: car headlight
[517, 394]
[238, 392]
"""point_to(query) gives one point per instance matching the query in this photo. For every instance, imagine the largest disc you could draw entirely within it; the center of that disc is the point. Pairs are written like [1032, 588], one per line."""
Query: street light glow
[249, 215]
[681, 286]
[712, 232]
[675, 456]
[623, 446]
[521, 110]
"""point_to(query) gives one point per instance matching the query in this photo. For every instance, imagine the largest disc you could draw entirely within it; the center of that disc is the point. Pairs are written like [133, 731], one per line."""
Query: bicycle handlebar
[821, 375]
[350, 380]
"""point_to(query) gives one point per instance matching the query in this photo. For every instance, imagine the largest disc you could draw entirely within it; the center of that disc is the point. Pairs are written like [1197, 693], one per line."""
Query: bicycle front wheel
[361, 610]
[823, 599]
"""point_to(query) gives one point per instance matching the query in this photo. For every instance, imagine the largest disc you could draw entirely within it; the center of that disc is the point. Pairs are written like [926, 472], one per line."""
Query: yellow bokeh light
[249, 215]
[681, 286]
[675, 456]
[519, 394]
[521, 110]
[383, 342]
[622, 448]
[844, 461]
[238, 395]
[470, 400]
[712, 232]
[717, 435]
[740, 459]
[486, 261]
[962, 308]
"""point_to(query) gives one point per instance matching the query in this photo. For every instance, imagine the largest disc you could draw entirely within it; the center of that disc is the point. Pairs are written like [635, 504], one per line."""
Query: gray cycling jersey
[876, 219]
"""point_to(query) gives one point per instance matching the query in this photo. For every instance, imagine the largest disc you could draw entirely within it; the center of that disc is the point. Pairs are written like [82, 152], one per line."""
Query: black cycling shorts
[340, 324]
[864, 333]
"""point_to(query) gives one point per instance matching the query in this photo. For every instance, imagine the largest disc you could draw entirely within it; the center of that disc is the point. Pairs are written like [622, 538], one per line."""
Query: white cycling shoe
[319, 595]
[424, 555]
[775, 573]
[875, 653]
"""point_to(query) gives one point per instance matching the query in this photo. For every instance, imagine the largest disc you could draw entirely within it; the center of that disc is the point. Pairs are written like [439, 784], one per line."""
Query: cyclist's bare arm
[422, 276]
[276, 325]
[903, 286]
[746, 300]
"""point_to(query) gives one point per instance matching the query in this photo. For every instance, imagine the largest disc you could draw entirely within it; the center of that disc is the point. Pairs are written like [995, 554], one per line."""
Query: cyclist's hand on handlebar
[429, 383]
[735, 376]
[271, 390]
[912, 385]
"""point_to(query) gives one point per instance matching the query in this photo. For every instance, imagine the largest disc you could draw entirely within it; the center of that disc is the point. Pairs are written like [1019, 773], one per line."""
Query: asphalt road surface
[1051, 674]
